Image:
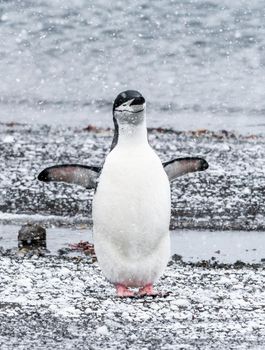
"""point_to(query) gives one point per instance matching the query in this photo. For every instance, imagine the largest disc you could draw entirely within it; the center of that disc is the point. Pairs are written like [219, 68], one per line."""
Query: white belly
[131, 213]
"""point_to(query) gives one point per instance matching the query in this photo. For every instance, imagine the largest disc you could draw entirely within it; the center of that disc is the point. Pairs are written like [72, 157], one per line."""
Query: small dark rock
[176, 257]
[64, 251]
[204, 263]
[239, 263]
[32, 236]
[225, 133]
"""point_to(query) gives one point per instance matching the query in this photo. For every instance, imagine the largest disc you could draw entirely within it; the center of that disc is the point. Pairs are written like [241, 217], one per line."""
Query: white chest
[133, 195]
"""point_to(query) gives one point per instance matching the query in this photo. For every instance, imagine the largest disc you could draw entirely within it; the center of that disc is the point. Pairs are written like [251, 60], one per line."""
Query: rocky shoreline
[228, 196]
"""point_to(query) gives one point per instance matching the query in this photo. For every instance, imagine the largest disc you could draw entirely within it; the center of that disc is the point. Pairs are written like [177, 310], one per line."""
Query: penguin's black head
[129, 107]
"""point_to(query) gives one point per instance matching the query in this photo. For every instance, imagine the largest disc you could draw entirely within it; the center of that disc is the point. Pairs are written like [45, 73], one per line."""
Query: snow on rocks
[69, 304]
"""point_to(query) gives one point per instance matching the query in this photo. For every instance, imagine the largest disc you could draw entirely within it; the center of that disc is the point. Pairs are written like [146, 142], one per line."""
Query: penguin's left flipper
[181, 166]
[82, 175]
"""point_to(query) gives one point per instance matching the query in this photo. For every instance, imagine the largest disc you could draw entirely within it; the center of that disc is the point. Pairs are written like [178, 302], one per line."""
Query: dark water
[200, 64]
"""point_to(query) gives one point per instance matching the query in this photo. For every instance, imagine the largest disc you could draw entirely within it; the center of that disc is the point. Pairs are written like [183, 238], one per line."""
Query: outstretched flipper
[181, 166]
[86, 176]
[82, 175]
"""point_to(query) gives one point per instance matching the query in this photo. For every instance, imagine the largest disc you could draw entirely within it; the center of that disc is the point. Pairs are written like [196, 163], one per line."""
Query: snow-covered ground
[65, 303]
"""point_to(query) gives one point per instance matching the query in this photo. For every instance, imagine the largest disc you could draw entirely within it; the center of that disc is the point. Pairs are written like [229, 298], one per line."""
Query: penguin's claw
[123, 291]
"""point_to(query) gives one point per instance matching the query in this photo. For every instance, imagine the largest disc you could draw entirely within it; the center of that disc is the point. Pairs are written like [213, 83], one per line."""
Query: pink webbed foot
[148, 290]
[123, 291]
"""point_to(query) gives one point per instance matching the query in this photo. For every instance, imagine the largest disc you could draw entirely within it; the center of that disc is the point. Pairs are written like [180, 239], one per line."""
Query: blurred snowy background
[200, 64]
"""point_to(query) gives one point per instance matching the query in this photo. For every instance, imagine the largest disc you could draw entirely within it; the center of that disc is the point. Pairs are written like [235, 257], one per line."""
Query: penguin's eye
[125, 104]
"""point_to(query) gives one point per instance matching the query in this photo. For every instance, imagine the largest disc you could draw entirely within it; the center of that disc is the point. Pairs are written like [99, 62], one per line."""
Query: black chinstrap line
[126, 110]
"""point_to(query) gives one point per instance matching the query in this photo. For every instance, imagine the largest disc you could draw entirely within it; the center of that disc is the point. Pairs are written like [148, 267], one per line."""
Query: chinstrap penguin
[131, 206]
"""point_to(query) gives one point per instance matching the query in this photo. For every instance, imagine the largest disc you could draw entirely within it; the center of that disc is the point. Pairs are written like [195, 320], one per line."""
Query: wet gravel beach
[228, 196]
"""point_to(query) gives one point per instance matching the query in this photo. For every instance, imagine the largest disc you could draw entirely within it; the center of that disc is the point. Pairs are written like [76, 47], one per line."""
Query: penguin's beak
[137, 101]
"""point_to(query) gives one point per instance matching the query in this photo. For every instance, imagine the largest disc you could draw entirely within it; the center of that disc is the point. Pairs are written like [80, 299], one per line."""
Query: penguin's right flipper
[82, 175]
[181, 166]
